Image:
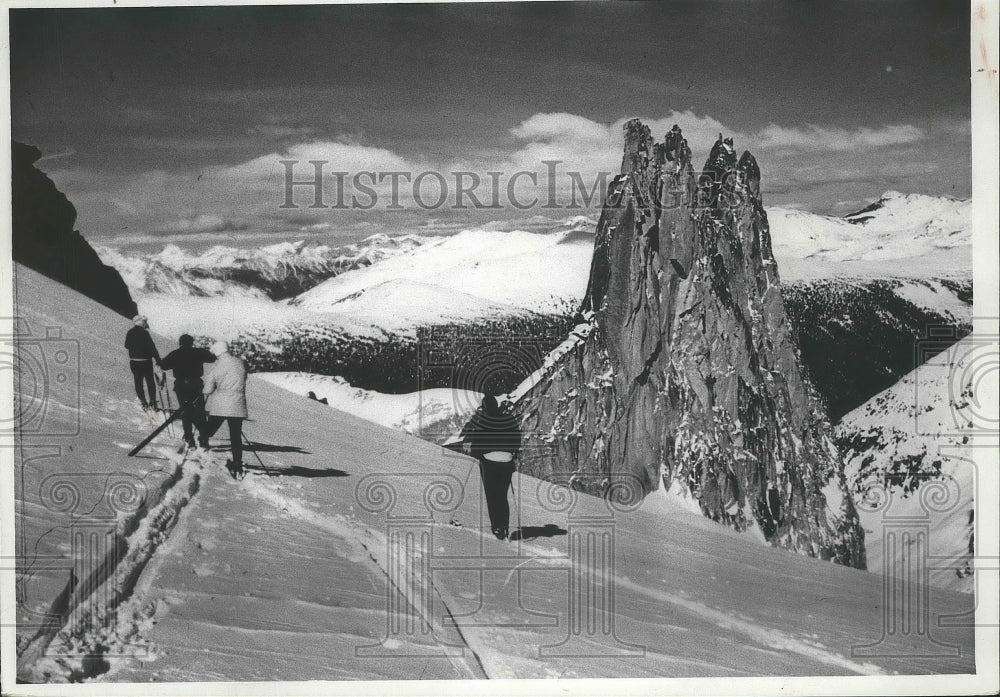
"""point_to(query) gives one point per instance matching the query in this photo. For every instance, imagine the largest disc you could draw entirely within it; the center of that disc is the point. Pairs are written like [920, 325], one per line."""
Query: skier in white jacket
[226, 400]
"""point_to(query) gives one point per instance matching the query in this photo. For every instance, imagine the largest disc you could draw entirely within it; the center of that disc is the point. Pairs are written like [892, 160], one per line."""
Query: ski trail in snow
[369, 546]
[108, 621]
[765, 636]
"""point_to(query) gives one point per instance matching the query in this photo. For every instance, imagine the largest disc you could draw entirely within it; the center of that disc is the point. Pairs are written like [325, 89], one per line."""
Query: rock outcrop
[683, 371]
[45, 240]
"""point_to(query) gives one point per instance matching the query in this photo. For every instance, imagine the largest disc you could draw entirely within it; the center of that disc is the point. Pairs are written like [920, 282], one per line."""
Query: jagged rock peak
[684, 373]
[638, 146]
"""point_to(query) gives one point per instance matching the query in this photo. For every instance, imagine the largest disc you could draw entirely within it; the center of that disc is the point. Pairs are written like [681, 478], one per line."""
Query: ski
[158, 430]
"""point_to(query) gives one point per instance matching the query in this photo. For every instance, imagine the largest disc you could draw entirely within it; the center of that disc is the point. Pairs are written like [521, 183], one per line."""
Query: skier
[188, 364]
[493, 437]
[141, 355]
[312, 396]
[225, 390]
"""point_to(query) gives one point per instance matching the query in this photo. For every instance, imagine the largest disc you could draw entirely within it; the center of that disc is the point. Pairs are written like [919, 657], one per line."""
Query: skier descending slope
[141, 355]
[493, 437]
[226, 392]
[188, 364]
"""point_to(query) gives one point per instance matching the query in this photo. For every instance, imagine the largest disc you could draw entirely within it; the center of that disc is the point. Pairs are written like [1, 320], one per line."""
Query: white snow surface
[227, 316]
[294, 577]
[432, 414]
[928, 421]
[402, 304]
[540, 272]
[903, 235]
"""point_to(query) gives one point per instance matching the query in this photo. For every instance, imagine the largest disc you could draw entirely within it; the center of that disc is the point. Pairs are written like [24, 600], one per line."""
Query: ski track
[71, 655]
[116, 606]
[372, 550]
[370, 544]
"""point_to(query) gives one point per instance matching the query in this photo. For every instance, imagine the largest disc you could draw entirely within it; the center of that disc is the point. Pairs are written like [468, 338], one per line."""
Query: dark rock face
[685, 370]
[44, 238]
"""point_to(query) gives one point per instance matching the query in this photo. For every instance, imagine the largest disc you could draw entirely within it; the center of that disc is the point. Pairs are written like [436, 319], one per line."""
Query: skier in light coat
[226, 400]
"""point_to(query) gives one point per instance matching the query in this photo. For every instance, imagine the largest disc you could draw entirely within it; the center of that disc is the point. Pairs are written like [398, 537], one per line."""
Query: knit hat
[219, 348]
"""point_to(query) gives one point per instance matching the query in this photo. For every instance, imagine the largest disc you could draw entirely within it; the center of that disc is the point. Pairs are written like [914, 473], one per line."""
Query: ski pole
[268, 472]
[164, 393]
[170, 400]
[517, 507]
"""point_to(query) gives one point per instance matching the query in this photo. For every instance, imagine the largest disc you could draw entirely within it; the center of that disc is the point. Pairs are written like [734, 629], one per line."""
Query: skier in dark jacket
[188, 364]
[142, 354]
[492, 436]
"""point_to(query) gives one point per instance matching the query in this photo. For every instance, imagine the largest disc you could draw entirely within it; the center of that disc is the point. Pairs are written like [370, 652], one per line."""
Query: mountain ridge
[43, 236]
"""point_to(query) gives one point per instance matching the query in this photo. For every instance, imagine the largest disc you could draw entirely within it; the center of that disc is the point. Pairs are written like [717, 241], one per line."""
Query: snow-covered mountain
[900, 236]
[275, 271]
[906, 235]
[526, 271]
[859, 291]
[291, 577]
[908, 454]
[857, 335]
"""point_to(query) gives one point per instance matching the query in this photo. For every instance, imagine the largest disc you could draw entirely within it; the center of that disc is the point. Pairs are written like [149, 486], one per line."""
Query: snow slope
[909, 452]
[294, 577]
[908, 235]
[229, 316]
[403, 304]
[539, 272]
[433, 414]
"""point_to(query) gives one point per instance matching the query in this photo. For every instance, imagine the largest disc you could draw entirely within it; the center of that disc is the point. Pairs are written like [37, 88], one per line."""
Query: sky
[170, 124]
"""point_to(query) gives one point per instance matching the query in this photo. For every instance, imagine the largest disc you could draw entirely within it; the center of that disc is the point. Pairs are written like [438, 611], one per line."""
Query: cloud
[817, 139]
[249, 195]
[281, 131]
[590, 146]
[337, 156]
[587, 146]
[560, 127]
[204, 222]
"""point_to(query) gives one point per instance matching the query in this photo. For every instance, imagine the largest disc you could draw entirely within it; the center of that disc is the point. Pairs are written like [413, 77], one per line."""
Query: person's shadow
[296, 471]
[530, 532]
[255, 447]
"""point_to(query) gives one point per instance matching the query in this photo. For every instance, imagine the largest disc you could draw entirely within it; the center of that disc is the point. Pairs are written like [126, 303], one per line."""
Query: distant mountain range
[274, 271]
[413, 278]
[859, 291]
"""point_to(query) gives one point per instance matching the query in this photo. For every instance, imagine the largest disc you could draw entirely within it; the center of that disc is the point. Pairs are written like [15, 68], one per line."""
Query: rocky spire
[685, 373]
